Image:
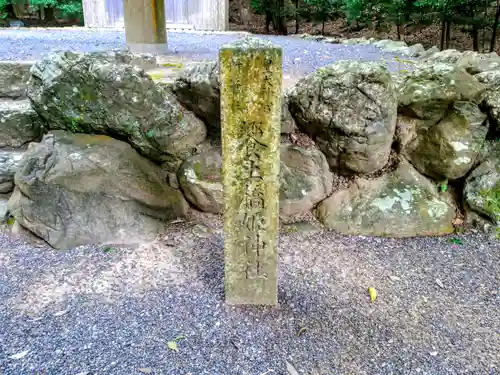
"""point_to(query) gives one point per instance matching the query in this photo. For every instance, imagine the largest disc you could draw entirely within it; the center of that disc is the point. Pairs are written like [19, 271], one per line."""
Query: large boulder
[305, 180]
[402, 203]
[98, 93]
[14, 79]
[349, 109]
[482, 187]
[491, 99]
[200, 178]
[10, 162]
[449, 148]
[19, 123]
[473, 62]
[428, 91]
[198, 89]
[76, 189]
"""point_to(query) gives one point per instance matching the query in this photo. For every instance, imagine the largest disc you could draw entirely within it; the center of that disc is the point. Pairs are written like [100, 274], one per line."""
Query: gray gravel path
[87, 311]
[300, 56]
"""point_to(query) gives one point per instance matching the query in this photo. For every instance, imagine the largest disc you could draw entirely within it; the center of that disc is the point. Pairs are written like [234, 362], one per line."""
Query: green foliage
[322, 10]
[68, 9]
[492, 201]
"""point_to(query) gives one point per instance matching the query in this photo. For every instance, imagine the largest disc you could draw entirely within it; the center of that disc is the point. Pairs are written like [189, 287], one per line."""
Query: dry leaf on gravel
[172, 345]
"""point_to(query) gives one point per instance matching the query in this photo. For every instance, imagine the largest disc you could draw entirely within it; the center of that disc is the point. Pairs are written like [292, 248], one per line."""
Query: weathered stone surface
[449, 148]
[9, 164]
[428, 91]
[402, 203]
[200, 178]
[349, 109]
[96, 93]
[400, 47]
[482, 187]
[491, 79]
[75, 189]
[491, 105]
[305, 179]
[288, 124]
[251, 79]
[472, 62]
[19, 123]
[198, 89]
[14, 78]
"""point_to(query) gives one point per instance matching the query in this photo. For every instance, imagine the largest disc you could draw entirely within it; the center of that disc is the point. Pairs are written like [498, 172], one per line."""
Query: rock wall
[97, 151]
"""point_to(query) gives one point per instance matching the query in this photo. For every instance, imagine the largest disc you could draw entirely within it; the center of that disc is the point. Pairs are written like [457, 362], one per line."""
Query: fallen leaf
[172, 345]
[291, 370]
[373, 294]
[145, 370]
[394, 278]
[61, 313]
[178, 338]
[440, 283]
[433, 354]
[19, 355]
[301, 331]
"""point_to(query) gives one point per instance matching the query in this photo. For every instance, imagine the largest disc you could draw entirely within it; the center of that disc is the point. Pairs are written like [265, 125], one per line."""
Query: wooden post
[251, 79]
[145, 26]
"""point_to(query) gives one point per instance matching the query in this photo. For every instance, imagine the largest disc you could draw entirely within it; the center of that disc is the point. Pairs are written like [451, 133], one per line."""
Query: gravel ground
[90, 311]
[300, 56]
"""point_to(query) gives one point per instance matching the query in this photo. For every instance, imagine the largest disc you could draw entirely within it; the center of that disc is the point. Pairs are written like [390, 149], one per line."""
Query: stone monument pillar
[251, 80]
[145, 26]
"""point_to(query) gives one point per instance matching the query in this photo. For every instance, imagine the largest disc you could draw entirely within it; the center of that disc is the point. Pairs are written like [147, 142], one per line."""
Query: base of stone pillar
[150, 48]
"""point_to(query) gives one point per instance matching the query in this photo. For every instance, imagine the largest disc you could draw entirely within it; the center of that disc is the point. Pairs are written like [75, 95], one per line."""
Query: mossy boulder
[449, 148]
[98, 93]
[482, 187]
[305, 180]
[10, 160]
[14, 76]
[473, 62]
[200, 178]
[428, 91]
[198, 89]
[402, 203]
[19, 123]
[349, 109]
[77, 189]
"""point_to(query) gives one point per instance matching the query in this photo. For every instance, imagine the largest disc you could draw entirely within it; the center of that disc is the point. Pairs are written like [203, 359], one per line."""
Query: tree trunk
[323, 28]
[475, 38]
[399, 31]
[297, 17]
[443, 34]
[495, 29]
[49, 15]
[448, 34]
[269, 19]
[280, 18]
[9, 9]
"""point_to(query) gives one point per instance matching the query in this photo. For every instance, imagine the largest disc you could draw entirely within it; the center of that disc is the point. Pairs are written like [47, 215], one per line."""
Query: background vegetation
[46, 12]
[476, 19]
